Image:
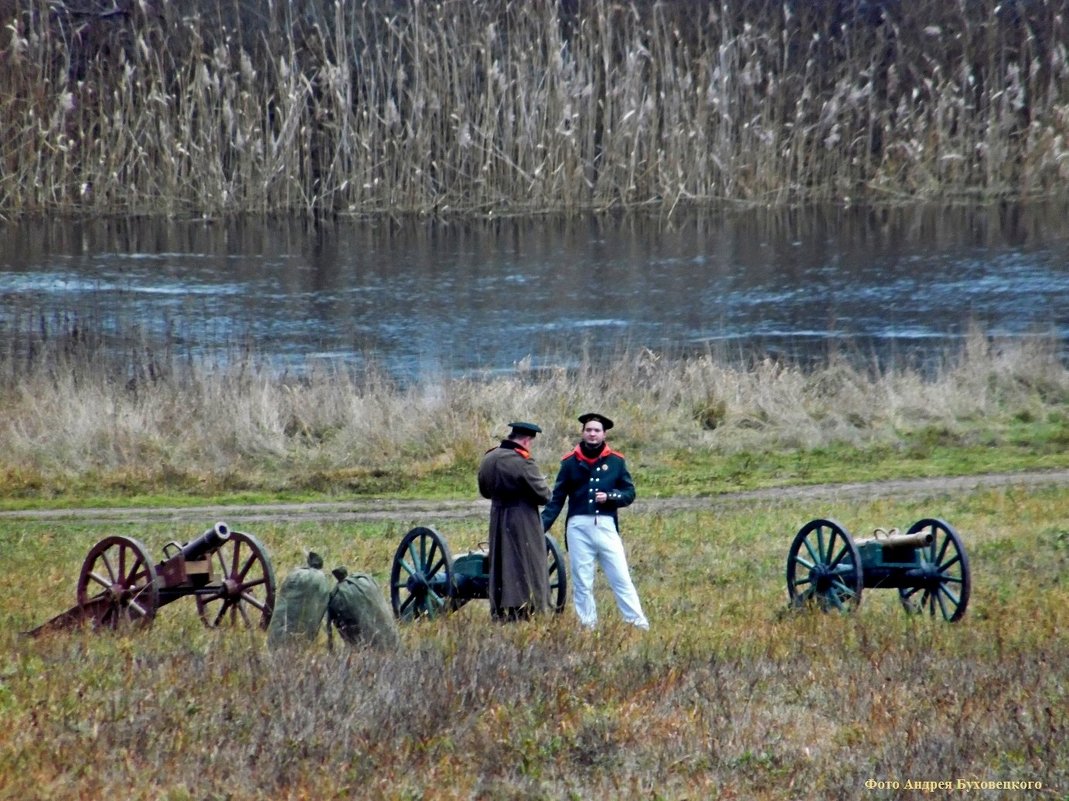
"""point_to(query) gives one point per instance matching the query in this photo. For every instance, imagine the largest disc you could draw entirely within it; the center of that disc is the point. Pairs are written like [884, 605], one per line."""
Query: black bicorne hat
[606, 423]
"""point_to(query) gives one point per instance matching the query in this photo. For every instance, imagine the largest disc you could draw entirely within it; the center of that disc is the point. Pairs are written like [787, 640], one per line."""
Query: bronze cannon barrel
[207, 542]
[918, 540]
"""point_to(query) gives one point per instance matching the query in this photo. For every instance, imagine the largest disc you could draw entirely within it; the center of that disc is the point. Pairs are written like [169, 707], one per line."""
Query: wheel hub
[821, 578]
[418, 586]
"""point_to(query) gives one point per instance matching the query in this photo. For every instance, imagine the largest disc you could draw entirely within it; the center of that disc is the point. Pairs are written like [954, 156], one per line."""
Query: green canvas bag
[300, 605]
[359, 611]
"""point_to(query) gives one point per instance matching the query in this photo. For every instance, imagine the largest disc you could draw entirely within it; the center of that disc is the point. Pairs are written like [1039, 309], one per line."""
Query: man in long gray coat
[519, 572]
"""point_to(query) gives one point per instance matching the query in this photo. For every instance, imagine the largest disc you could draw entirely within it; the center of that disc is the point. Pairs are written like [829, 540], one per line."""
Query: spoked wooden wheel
[117, 587]
[558, 575]
[824, 567]
[421, 579]
[244, 596]
[943, 584]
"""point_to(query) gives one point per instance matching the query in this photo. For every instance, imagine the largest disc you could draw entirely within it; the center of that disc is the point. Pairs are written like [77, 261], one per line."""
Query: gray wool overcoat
[519, 573]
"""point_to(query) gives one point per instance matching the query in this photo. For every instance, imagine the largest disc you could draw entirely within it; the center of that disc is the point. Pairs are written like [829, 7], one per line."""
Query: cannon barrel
[207, 542]
[918, 540]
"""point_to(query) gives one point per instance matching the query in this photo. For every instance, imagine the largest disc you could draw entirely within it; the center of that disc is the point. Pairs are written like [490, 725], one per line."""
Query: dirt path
[370, 510]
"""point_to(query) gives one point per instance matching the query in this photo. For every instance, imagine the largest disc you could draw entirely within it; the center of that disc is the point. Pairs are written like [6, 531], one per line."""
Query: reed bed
[220, 106]
[78, 411]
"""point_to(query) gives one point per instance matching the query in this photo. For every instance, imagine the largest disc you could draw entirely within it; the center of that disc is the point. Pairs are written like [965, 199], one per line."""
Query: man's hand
[601, 497]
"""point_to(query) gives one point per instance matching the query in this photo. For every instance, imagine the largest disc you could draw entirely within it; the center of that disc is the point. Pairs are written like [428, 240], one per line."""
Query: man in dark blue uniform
[593, 478]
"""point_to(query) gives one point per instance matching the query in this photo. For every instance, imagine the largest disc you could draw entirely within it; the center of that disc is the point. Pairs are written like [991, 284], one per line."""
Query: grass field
[730, 695]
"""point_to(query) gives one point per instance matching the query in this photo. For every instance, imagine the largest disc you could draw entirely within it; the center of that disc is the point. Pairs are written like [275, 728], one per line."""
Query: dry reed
[72, 411]
[216, 107]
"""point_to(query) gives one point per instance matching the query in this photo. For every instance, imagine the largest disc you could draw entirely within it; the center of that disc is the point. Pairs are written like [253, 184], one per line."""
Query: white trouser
[593, 540]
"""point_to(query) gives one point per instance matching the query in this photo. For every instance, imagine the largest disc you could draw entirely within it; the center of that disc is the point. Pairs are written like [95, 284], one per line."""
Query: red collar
[512, 445]
[578, 454]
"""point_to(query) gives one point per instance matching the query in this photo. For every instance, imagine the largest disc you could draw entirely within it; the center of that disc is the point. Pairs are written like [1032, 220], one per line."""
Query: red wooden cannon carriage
[227, 572]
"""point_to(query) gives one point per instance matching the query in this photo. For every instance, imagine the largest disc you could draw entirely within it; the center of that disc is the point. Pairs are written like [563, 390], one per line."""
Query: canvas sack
[301, 605]
[359, 611]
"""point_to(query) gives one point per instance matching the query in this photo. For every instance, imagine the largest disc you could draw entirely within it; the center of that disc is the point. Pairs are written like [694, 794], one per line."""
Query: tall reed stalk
[217, 106]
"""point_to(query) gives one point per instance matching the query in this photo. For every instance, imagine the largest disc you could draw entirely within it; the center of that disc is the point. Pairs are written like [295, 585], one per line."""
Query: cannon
[426, 581]
[227, 572]
[926, 564]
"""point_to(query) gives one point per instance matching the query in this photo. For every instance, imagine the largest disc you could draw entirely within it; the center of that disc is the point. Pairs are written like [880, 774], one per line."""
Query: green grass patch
[692, 472]
[684, 472]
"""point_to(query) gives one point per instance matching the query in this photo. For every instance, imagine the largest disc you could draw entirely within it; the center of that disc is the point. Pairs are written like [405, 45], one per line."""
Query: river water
[426, 298]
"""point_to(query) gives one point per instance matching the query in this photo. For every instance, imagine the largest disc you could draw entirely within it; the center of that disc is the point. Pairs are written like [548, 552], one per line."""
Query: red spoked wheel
[244, 596]
[117, 588]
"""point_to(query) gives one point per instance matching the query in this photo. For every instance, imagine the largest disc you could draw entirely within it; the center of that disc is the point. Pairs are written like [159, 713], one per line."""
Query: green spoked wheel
[117, 588]
[943, 583]
[558, 575]
[421, 579]
[824, 568]
[244, 595]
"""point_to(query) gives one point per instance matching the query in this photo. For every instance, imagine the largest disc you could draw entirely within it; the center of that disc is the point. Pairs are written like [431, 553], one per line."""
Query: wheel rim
[824, 568]
[944, 585]
[558, 575]
[117, 587]
[245, 594]
[421, 579]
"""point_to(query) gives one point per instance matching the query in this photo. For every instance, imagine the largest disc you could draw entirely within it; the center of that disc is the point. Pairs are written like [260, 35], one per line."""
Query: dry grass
[728, 696]
[216, 107]
[74, 414]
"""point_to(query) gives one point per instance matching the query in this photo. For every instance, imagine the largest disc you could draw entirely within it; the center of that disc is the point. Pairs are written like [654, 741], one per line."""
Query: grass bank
[223, 106]
[149, 425]
[728, 696]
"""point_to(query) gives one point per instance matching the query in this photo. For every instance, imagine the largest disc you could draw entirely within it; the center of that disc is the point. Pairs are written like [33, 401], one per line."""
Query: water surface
[425, 297]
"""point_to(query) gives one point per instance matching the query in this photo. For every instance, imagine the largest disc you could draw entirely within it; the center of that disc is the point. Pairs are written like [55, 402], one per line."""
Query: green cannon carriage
[426, 580]
[926, 564]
